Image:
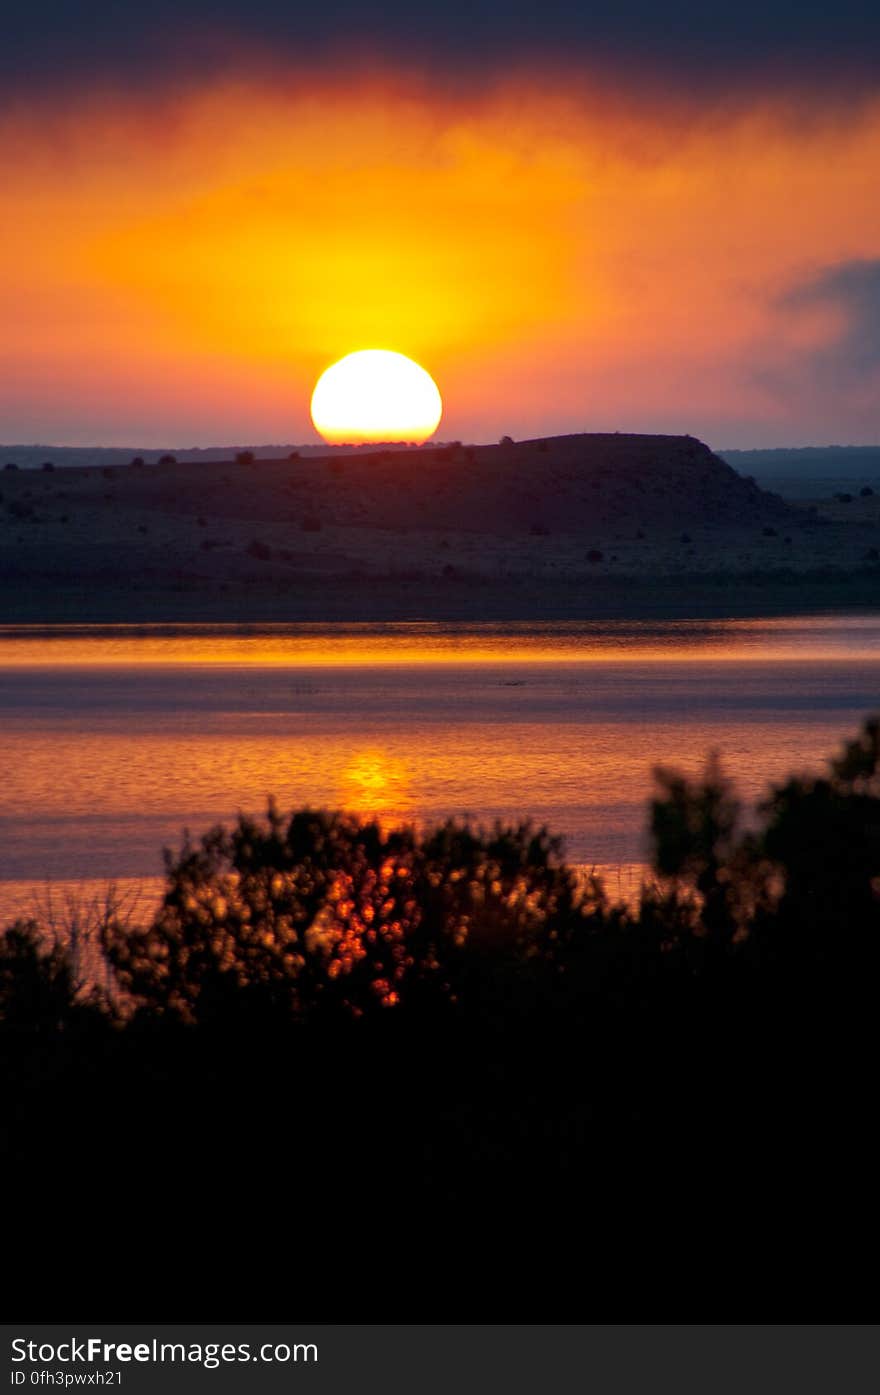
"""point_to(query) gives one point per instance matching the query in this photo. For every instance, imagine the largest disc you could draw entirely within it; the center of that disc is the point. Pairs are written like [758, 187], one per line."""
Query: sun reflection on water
[377, 783]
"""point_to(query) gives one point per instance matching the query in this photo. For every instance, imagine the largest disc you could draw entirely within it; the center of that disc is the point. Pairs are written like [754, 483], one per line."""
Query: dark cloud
[828, 391]
[93, 40]
[853, 288]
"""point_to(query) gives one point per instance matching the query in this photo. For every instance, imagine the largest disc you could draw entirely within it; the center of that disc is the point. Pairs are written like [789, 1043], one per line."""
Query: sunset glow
[186, 265]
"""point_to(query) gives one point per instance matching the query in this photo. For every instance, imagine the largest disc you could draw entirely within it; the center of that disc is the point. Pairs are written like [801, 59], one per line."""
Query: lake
[116, 738]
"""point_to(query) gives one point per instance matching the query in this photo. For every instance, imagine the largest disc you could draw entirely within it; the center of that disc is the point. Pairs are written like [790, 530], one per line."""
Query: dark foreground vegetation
[348, 1073]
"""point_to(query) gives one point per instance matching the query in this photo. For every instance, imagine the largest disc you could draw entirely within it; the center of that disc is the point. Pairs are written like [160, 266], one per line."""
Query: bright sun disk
[375, 395]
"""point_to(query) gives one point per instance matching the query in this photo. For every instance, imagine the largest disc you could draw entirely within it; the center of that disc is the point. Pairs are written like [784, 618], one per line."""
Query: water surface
[116, 738]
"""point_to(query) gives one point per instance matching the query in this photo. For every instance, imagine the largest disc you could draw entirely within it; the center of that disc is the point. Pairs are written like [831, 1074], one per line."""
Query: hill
[524, 528]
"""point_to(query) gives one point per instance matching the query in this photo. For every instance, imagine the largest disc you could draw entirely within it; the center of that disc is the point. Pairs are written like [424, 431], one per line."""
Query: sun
[375, 395]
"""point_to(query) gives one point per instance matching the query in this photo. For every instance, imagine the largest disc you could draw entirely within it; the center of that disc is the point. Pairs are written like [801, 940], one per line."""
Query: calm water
[114, 740]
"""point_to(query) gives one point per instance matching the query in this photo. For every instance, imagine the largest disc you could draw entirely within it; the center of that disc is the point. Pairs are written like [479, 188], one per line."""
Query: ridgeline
[563, 526]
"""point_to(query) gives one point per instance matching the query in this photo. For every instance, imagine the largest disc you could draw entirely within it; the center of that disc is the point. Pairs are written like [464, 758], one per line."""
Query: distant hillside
[524, 528]
[807, 462]
[33, 457]
[562, 483]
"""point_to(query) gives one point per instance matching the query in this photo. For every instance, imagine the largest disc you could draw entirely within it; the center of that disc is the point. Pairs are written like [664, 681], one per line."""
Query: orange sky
[180, 268]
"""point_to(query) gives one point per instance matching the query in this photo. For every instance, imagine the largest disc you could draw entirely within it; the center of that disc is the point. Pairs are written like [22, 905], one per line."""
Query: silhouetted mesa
[567, 483]
[528, 528]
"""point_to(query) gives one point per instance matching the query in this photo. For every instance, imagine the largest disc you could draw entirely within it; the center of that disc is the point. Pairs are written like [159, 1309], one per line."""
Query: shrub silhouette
[803, 890]
[824, 833]
[697, 841]
[38, 990]
[322, 911]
